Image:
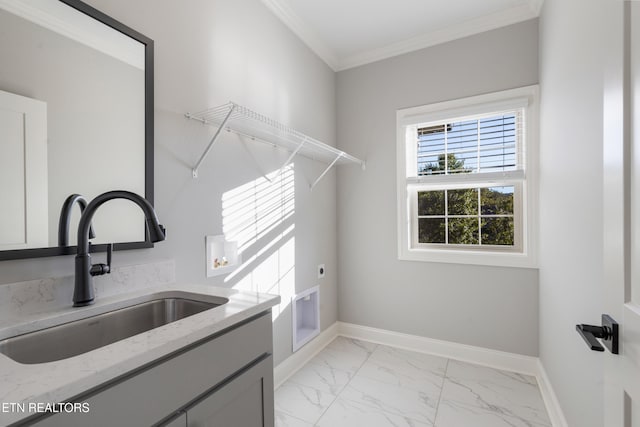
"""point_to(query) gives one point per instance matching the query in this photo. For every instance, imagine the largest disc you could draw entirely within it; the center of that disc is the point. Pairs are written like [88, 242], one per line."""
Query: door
[621, 185]
[23, 173]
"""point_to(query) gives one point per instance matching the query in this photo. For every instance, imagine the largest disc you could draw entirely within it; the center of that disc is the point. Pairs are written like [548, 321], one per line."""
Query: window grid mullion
[478, 142]
[478, 169]
[479, 207]
[446, 150]
[446, 212]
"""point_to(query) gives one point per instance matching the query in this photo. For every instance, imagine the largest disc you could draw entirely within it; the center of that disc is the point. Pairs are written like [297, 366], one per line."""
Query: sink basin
[80, 336]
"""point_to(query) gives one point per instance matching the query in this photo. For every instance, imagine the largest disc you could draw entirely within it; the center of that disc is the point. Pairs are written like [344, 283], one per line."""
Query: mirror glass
[74, 119]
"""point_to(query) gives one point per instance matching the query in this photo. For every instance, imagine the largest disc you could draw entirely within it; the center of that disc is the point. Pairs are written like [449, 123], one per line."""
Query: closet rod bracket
[292, 155]
[338, 157]
[194, 171]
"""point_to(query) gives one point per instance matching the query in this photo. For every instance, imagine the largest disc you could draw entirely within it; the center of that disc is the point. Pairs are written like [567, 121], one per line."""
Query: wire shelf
[246, 122]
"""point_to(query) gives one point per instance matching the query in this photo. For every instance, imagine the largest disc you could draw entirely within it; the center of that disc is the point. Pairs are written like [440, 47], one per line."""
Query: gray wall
[491, 307]
[571, 271]
[207, 53]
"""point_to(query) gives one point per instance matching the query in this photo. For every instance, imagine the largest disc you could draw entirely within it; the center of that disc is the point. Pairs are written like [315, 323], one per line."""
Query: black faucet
[83, 291]
[65, 218]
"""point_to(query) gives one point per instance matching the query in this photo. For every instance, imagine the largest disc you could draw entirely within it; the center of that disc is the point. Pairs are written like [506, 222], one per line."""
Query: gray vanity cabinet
[239, 403]
[225, 380]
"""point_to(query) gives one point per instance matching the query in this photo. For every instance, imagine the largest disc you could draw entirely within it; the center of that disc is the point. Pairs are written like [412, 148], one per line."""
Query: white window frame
[524, 251]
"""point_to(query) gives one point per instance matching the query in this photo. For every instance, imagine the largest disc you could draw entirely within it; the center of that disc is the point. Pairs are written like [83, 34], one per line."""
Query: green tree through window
[453, 165]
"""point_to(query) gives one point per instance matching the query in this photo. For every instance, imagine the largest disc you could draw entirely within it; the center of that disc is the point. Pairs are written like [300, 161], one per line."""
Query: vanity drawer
[149, 395]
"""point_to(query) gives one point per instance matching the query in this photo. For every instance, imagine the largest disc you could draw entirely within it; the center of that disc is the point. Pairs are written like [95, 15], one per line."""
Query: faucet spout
[83, 291]
[65, 218]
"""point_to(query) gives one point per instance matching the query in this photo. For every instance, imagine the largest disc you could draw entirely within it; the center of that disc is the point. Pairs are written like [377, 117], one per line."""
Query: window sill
[498, 259]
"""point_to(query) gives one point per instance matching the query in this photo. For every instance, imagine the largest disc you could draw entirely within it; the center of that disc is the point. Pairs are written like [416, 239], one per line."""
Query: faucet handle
[109, 251]
[100, 269]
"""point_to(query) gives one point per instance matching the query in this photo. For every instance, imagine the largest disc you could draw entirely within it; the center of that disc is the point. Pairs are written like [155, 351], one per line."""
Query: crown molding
[303, 31]
[526, 11]
[453, 32]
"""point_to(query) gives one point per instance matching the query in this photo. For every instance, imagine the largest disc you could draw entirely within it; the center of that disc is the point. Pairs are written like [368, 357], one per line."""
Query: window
[466, 180]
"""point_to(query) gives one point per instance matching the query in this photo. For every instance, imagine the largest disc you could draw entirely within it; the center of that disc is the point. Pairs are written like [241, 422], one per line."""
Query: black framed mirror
[76, 113]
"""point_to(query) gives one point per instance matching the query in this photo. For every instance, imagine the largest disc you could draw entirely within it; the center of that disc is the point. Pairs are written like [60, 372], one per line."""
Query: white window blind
[491, 144]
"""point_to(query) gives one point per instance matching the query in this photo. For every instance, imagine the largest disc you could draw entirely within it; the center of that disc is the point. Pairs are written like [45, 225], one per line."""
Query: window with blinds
[487, 144]
[462, 174]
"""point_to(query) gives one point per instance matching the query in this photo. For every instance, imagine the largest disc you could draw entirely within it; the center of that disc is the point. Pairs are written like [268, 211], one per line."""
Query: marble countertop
[61, 380]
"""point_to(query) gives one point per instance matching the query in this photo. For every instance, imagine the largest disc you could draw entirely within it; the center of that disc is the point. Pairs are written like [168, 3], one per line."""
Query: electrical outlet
[321, 271]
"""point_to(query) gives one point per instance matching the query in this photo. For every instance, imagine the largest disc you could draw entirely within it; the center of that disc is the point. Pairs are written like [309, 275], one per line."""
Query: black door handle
[608, 333]
[589, 333]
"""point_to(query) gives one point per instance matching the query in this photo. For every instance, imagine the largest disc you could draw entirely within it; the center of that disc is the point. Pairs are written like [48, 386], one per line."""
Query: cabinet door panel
[246, 401]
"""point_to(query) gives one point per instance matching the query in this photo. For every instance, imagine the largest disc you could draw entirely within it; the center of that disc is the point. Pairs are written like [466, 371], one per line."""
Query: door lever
[608, 333]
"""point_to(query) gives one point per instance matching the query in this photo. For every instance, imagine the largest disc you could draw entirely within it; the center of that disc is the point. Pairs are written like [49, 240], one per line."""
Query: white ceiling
[348, 33]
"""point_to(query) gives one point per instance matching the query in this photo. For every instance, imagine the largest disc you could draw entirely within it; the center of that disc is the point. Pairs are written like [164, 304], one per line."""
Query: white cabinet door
[23, 173]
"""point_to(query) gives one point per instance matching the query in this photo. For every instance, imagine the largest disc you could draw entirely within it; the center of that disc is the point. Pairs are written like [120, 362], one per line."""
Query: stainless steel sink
[80, 336]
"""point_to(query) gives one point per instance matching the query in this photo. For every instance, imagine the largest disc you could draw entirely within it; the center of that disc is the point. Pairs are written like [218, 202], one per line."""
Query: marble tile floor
[353, 383]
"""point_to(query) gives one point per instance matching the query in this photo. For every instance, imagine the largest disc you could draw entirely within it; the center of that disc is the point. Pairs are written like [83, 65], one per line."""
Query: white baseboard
[466, 353]
[502, 360]
[297, 360]
[550, 398]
